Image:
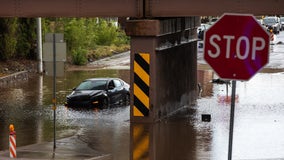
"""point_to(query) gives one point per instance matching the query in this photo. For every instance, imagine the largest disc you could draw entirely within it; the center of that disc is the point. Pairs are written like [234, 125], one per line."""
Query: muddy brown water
[258, 121]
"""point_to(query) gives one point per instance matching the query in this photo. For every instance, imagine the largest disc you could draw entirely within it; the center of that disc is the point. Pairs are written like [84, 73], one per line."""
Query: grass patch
[106, 51]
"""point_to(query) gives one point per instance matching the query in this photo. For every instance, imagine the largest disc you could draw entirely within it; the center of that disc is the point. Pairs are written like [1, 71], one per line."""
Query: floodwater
[28, 105]
[258, 129]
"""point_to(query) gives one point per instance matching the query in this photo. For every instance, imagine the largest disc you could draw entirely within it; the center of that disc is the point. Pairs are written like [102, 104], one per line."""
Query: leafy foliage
[92, 34]
[26, 41]
[17, 38]
[105, 34]
[85, 37]
[8, 39]
[79, 56]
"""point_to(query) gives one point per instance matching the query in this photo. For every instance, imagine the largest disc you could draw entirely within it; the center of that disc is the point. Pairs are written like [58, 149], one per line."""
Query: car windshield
[92, 85]
[269, 20]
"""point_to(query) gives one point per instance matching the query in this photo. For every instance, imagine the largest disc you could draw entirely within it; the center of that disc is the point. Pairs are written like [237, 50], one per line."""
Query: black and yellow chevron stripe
[141, 143]
[141, 84]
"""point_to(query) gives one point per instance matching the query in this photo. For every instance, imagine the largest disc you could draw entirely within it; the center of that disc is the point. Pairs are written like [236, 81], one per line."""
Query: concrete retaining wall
[19, 76]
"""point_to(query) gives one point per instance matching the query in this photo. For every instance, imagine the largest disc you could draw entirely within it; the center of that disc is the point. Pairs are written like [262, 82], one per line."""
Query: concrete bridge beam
[163, 66]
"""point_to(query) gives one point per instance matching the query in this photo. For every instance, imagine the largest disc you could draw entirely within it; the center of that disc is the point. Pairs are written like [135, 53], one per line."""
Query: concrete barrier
[19, 76]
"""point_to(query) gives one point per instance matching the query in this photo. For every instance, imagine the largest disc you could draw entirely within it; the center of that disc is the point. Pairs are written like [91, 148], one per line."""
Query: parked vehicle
[99, 93]
[201, 29]
[213, 20]
[282, 23]
[273, 22]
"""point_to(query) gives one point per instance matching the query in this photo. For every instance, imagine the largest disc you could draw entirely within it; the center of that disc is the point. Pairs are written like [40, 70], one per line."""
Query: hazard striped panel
[140, 143]
[141, 84]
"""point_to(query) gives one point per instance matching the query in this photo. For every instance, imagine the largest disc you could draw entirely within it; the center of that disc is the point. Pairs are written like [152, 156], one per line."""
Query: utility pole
[39, 45]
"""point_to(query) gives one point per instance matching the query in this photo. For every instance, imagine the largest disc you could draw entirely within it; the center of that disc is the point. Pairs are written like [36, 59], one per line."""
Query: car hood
[270, 24]
[85, 93]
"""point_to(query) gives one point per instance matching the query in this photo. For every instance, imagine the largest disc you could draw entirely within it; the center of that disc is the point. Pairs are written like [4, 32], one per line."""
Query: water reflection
[204, 78]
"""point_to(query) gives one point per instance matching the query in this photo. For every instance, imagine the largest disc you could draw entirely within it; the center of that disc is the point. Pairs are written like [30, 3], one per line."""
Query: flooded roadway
[258, 132]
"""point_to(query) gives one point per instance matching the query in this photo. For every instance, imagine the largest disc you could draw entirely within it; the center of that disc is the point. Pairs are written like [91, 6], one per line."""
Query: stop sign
[236, 46]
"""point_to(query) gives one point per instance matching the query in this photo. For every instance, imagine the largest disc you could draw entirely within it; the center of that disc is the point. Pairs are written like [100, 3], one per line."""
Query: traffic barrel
[271, 35]
[12, 142]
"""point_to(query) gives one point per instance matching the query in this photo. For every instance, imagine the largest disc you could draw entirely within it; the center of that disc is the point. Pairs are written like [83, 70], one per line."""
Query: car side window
[117, 83]
[111, 84]
[99, 85]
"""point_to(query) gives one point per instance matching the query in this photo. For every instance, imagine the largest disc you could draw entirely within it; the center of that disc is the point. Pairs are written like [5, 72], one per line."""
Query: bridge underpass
[163, 48]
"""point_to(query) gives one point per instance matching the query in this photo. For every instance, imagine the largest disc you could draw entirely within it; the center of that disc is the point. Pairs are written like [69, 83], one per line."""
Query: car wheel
[105, 103]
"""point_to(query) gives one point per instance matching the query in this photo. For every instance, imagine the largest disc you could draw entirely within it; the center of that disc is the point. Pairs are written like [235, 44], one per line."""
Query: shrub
[8, 37]
[79, 56]
[105, 34]
[96, 35]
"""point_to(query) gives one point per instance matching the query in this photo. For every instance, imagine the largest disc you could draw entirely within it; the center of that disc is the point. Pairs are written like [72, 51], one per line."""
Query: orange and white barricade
[271, 35]
[12, 142]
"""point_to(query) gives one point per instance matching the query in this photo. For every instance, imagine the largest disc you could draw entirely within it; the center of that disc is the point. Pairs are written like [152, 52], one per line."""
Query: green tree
[106, 33]
[8, 37]
[84, 35]
[26, 40]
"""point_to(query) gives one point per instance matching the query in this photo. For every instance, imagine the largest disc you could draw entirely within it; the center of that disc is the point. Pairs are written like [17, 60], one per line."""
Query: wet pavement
[108, 134]
[65, 150]
[259, 121]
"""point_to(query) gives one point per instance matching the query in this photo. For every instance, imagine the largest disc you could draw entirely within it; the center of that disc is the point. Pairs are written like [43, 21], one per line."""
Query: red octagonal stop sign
[236, 46]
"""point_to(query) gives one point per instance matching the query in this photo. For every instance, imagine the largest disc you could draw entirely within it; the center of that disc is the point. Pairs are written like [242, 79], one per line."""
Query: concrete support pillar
[163, 66]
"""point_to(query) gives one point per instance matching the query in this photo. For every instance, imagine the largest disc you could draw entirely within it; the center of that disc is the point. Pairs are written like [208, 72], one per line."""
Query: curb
[19, 76]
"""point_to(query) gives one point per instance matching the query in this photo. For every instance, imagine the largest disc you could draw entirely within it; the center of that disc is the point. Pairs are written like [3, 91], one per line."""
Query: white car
[273, 23]
[201, 29]
[282, 23]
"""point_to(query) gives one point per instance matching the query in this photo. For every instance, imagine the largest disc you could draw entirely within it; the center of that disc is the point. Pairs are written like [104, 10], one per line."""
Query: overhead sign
[236, 46]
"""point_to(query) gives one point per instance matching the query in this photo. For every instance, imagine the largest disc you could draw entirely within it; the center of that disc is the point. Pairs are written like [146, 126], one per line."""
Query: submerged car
[99, 93]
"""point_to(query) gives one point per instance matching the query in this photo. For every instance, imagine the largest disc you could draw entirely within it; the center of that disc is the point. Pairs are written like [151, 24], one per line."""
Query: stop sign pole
[232, 117]
[236, 47]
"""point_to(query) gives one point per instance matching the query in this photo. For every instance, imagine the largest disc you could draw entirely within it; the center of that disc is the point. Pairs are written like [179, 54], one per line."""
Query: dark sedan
[99, 92]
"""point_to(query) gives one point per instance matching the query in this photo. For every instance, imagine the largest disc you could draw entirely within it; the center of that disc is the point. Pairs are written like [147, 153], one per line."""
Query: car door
[111, 92]
[115, 91]
[119, 90]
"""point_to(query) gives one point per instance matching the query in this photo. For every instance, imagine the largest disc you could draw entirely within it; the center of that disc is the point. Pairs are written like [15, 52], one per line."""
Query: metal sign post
[54, 56]
[54, 92]
[232, 116]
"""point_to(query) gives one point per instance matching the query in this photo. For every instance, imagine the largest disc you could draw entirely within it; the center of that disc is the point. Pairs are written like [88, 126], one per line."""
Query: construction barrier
[12, 142]
[271, 35]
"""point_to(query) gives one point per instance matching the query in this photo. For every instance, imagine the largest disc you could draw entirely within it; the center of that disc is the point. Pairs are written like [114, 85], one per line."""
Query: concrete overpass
[136, 8]
[163, 42]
